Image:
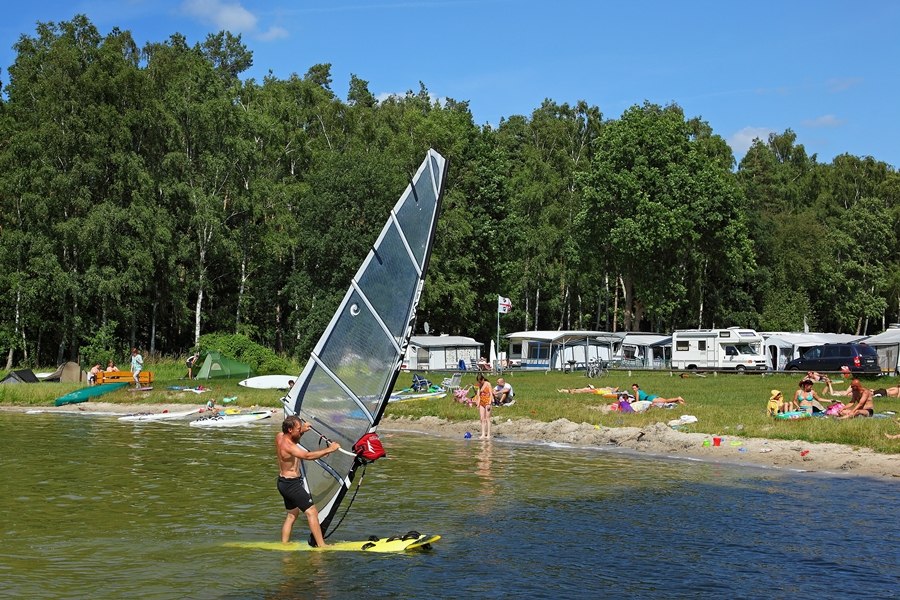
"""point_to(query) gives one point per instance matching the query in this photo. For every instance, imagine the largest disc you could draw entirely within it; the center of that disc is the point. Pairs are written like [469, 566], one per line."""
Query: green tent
[216, 366]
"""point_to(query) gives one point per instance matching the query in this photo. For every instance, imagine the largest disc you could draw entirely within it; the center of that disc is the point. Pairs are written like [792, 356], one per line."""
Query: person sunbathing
[807, 399]
[891, 392]
[640, 394]
[589, 390]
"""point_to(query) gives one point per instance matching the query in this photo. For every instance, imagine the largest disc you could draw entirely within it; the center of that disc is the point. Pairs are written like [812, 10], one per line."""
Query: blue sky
[828, 70]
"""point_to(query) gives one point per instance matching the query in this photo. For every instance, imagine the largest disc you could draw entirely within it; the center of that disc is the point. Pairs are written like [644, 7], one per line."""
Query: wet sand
[657, 439]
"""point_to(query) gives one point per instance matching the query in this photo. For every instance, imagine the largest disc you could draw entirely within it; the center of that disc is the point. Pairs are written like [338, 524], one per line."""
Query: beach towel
[834, 409]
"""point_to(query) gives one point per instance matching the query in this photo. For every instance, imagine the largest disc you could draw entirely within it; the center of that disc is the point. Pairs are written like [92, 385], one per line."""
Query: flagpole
[499, 362]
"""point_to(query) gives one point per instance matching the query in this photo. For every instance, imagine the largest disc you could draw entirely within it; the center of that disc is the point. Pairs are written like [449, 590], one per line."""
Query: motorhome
[733, 348]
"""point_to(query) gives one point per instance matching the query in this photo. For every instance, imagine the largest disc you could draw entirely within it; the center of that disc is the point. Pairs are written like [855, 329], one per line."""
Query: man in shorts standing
[290, 481]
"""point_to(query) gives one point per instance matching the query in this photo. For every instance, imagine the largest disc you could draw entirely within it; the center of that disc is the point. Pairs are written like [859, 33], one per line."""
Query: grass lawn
[724, 404]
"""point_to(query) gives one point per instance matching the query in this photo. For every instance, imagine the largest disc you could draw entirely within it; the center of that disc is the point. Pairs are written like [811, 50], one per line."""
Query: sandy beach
[658, 439]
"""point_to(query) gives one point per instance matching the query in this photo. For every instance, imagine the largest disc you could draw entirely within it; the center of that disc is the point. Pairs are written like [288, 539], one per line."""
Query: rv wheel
[740, 368]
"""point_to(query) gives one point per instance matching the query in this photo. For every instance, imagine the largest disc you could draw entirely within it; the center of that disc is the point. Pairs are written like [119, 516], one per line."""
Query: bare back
[288, 462]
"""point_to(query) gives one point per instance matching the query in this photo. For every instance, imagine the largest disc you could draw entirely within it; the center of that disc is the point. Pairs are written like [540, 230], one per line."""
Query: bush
[239, 347]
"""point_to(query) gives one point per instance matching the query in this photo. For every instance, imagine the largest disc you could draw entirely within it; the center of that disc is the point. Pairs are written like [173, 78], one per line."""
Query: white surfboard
[268, 382]
[230, 420]
[163, 416]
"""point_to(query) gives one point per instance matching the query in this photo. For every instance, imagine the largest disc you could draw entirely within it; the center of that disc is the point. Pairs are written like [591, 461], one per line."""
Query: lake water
[96, 508]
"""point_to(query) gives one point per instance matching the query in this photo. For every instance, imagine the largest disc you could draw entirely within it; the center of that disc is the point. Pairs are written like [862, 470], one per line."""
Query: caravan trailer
[733, 348]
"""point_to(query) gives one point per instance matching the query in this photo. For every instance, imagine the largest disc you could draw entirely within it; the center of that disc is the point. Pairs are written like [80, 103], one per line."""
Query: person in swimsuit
[807, 399]
[891, 392]
[862, 405]
[590, 390]
[484, 395]
[640, 394]
[290, 481]
[93, 374]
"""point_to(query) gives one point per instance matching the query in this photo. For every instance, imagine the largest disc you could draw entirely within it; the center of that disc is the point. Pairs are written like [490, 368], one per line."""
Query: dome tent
[217, 366]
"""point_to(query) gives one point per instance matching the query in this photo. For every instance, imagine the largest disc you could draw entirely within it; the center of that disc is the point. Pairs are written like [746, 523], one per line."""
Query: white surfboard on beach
[268, 382]
[230, 420]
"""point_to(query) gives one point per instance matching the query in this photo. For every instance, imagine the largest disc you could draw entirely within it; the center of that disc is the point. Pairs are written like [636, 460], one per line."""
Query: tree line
[150, 195]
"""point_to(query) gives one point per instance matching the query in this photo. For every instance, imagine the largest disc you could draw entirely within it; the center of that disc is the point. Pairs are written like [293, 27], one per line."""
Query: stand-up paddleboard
[145, 388]
[406, 543]
[84, 413]
[230, 420]
[268, 382]
[163, 416]
[85, 394]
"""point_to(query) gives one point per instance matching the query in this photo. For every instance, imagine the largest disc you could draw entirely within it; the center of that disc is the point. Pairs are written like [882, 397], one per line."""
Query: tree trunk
[240, 297]
[638, 316]
[153, 327]
[627, 302]
[197, 310]
[615, 313]
[10, 356]
[537, 302]
[527, 308]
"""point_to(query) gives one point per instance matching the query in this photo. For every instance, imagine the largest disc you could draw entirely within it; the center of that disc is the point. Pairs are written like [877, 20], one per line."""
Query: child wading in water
[484, 396]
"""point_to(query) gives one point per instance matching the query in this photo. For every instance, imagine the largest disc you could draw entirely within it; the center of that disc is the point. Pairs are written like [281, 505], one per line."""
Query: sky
[828, 70]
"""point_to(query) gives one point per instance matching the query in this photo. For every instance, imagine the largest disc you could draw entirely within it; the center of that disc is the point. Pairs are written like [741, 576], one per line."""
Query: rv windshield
[745, 349]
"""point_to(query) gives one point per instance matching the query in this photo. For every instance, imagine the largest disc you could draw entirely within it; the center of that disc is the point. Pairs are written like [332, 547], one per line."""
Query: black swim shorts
[294, 494]
[880, 393]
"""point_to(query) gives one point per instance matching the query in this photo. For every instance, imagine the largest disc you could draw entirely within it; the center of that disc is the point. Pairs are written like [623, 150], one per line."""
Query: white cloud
[231, 16]
[274, 33]
[824, 121]
[741, 140]
[441, 100]
[224, 15]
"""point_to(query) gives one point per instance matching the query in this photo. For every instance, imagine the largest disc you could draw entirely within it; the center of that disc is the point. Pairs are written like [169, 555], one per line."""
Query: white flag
[503, 305]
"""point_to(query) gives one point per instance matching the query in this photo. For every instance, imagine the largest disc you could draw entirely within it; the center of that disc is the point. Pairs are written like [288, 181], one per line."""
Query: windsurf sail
[344, 387]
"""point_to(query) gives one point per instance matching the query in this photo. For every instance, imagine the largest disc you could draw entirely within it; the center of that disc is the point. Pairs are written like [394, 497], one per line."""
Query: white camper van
[732, 348]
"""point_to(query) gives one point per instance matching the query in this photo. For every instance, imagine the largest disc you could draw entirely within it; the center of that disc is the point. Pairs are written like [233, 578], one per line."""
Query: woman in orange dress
[484, 396]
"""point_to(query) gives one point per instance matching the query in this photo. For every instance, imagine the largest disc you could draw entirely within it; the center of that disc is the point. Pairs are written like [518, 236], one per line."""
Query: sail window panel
[324, 483]
[415, 217]
[360, 354]
[390, 281]
[329, 408]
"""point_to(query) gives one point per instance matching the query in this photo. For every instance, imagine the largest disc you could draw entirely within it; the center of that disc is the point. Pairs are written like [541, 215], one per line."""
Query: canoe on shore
[85, 394]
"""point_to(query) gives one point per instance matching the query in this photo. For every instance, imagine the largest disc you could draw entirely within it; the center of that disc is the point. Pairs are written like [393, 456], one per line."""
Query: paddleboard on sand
[230, 420]
[268, 382]
[405, 543]
[163, 416]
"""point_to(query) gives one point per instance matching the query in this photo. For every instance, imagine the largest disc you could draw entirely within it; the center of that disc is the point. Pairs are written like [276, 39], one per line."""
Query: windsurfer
[290, 481]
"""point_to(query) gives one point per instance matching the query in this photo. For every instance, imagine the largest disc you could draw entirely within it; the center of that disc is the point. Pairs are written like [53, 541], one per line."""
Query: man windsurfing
[290, 481]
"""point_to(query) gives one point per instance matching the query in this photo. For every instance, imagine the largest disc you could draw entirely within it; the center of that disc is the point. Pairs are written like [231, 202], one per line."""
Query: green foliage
[261, 360]
[154, 195]
[100, 346]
